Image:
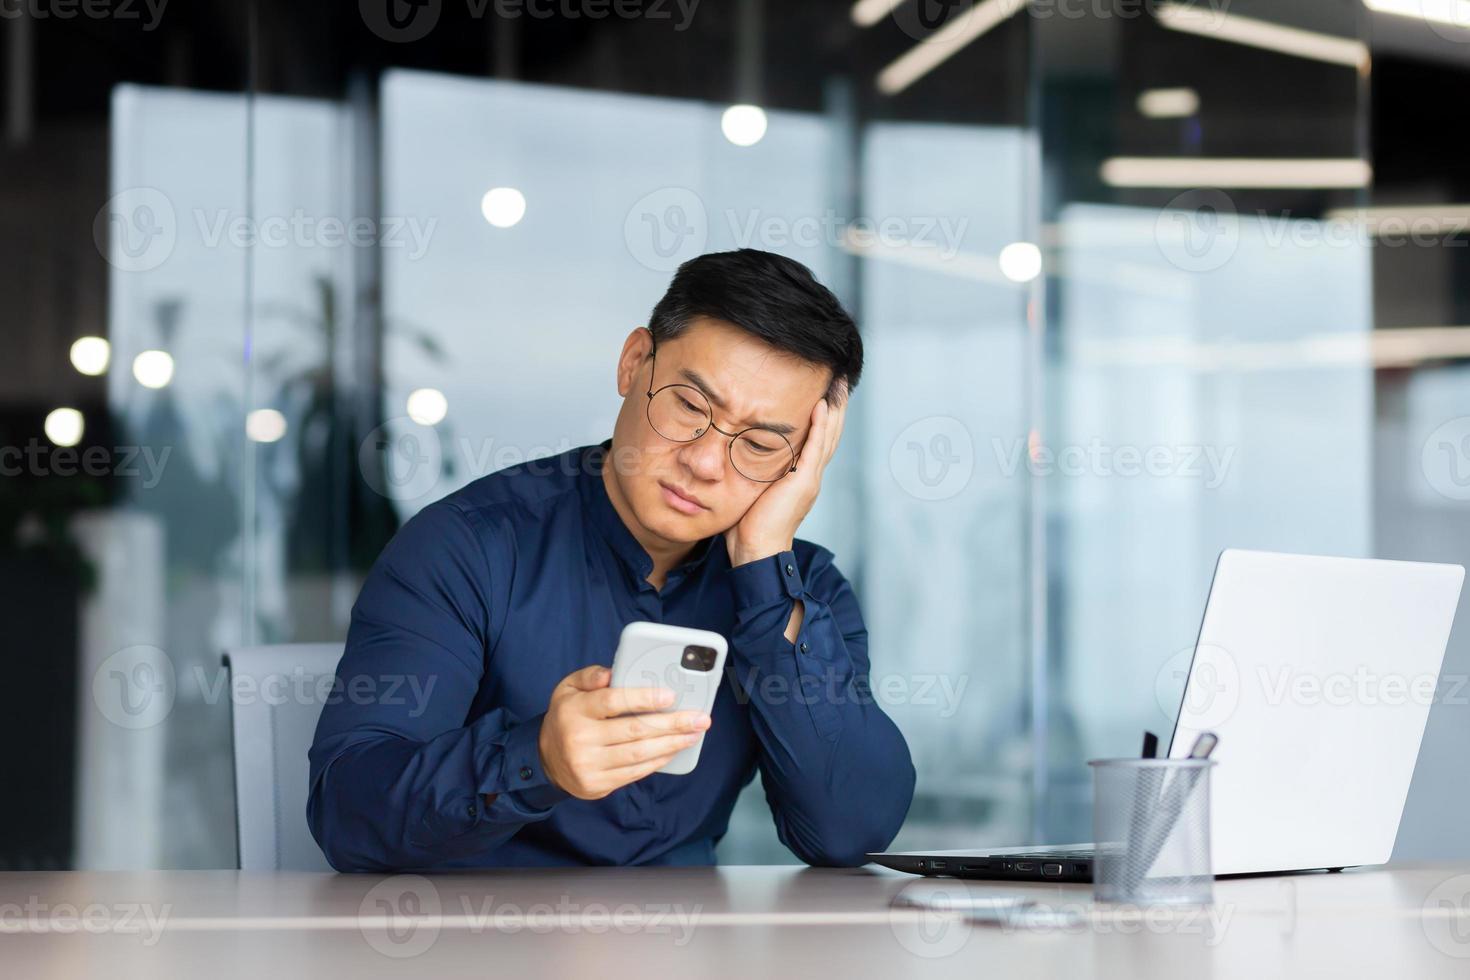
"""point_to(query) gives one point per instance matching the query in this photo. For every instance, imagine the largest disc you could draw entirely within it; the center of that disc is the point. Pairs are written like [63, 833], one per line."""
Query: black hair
[770, 297]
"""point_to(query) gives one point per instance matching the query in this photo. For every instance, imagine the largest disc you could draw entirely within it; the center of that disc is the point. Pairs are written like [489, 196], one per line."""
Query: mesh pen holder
[1151, 826]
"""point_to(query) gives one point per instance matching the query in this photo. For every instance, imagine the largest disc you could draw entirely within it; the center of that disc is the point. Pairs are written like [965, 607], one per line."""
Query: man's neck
[665, 554]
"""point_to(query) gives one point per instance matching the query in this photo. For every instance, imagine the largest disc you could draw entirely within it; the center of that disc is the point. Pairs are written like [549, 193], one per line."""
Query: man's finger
[631, 774]
[593, 678]
[810, 461]
[634, 753]
[616, 701]
[634, 727]
[816, 435]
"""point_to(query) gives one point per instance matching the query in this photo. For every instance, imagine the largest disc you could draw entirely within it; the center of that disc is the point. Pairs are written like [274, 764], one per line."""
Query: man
[504, 602]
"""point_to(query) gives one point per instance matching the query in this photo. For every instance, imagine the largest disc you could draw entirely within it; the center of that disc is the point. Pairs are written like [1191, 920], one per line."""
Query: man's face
[747, 383]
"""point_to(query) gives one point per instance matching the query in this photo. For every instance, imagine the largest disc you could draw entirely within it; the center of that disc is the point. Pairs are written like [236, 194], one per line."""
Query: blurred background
[1138, 280]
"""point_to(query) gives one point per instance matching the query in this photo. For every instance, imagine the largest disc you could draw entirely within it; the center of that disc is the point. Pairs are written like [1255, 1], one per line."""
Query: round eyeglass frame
[709, 415]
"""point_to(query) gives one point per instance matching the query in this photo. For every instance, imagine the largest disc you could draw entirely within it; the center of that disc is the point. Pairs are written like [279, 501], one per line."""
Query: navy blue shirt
[485, 600]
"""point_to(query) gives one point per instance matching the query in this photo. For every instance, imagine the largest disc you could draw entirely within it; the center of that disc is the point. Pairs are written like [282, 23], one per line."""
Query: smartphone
[687, 661]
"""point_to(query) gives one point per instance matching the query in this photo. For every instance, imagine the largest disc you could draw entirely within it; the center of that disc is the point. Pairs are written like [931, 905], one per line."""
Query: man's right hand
[596, 738]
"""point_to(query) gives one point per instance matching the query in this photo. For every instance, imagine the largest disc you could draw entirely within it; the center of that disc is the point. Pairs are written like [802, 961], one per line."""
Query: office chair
[273, 720]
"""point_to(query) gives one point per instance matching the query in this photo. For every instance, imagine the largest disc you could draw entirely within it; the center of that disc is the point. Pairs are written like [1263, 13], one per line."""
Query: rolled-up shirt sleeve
[836, 770]
[399, 777]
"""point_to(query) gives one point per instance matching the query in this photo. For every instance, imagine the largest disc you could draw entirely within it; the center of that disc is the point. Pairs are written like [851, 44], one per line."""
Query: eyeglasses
[681, 413]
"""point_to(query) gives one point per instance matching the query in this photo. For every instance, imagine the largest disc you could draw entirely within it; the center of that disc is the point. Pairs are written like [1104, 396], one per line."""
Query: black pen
[1145, 793]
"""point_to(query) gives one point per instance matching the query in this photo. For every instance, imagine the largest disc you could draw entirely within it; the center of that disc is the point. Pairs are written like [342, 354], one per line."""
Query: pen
[1145, 793]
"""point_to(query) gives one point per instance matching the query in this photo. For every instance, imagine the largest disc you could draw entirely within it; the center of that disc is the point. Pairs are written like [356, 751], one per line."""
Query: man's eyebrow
[694, 378]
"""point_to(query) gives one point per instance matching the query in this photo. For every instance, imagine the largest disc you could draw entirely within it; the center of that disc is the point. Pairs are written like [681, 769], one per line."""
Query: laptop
[1317, 674]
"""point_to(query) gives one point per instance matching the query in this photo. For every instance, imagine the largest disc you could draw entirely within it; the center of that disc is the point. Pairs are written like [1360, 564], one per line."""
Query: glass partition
[1208, 383]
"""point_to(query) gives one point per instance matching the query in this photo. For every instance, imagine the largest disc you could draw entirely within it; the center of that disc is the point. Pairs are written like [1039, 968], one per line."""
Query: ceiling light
[1020, 261]
[265, 425]
[1454, 13]
[64, 426]
[503, 207]
[944, 43]
[90, 355]
[1397, 221]
[1208, 22]
[1234, 172]
[153, 368]
[427, 406]
[866, 13]
[743, 125]
[1168, 103]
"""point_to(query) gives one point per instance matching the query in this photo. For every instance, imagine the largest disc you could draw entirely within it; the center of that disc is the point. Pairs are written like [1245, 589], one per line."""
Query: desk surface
[758, 922]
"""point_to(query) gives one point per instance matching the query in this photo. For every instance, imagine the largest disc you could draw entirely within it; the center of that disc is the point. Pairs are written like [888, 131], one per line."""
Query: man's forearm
[744, 555]
[836, 769]
[386, 802]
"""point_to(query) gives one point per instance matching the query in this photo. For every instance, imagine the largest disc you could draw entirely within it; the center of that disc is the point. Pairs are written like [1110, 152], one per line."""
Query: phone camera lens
[699, 658]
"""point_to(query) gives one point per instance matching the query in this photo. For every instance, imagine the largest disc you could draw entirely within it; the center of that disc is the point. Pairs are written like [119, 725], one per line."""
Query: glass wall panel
[946, 548]
[1208, 376]
[120, 393]
[171, 552]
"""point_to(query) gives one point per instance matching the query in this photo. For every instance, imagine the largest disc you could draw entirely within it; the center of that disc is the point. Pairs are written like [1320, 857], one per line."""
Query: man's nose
[705, 457]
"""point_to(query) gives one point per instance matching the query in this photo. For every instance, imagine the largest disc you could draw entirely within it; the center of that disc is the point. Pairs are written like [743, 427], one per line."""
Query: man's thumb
[592, 678]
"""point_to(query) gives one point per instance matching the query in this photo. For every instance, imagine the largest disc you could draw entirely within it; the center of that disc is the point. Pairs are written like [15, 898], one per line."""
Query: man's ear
[630, 362]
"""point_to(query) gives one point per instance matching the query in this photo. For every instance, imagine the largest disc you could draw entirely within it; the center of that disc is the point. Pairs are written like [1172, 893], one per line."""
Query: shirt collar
[609, 524]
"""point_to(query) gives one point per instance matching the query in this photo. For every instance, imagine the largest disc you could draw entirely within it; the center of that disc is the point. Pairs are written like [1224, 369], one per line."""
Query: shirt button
[790, 568]
[472, 810]
[525, 772]
[804, 647]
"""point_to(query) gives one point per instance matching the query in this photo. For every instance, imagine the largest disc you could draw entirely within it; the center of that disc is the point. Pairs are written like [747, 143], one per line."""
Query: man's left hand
[769, 526]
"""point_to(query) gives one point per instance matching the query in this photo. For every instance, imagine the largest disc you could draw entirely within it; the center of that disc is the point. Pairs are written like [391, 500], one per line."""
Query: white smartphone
[687, 661]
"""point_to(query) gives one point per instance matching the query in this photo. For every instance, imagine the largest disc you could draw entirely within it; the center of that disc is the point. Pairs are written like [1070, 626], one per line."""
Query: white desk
[755, 922]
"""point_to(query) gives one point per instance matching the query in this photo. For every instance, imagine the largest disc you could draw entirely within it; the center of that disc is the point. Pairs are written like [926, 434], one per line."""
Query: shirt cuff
[522, 785]
[766, 580]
